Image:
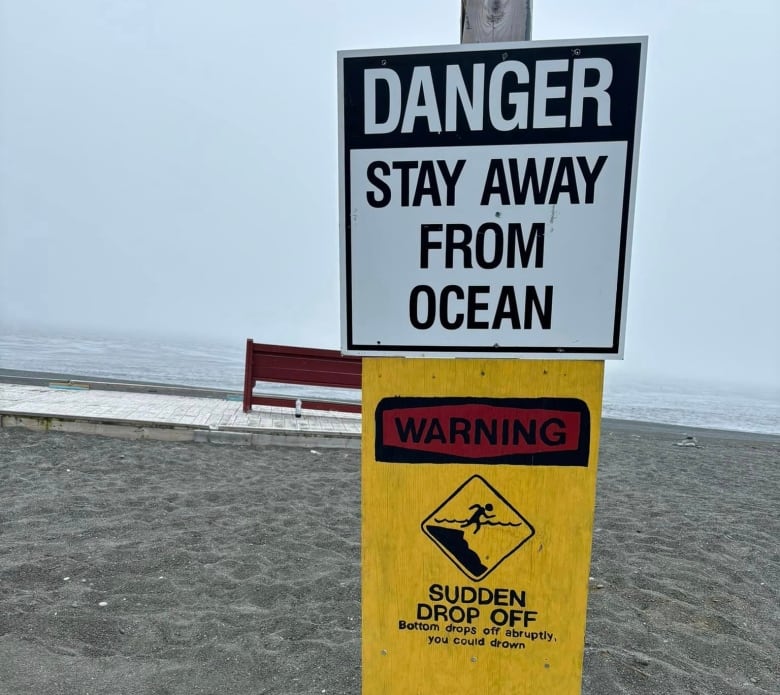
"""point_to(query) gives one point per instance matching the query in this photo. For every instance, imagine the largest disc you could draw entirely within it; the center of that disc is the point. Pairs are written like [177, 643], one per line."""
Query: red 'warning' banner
[519, 431]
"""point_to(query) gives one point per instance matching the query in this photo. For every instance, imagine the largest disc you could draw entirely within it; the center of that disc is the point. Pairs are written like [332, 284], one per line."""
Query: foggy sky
[169, 167]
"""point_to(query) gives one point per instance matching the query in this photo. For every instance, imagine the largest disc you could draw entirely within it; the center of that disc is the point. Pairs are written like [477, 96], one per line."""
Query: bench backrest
[296, 365]
[308, 366]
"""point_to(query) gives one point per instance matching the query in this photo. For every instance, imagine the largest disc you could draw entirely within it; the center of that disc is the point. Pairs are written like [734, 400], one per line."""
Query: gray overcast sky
[170, 167]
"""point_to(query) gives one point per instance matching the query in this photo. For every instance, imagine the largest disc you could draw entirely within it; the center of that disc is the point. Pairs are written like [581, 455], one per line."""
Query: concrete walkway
[136, 415]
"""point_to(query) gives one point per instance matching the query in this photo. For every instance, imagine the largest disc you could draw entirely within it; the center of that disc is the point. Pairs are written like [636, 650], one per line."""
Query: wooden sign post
[486, 212]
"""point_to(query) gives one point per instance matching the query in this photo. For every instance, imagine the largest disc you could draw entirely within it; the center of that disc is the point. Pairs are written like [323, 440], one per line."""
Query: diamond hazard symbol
[477, 528]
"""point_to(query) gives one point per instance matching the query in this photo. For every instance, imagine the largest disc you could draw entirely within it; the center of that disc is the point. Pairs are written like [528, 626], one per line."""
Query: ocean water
[693, 404]
[220, 366]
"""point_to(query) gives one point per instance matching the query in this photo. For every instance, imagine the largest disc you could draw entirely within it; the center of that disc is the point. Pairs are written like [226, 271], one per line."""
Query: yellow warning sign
[478, 481]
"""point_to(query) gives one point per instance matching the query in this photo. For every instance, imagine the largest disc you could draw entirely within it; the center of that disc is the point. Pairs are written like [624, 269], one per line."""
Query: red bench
[303, 366]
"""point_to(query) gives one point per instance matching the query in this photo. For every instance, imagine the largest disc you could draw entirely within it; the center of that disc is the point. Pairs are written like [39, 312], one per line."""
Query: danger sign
[487, 197]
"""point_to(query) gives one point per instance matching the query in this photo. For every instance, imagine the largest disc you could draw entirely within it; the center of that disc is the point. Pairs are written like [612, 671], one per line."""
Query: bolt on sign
[486, 211]
[487, 197]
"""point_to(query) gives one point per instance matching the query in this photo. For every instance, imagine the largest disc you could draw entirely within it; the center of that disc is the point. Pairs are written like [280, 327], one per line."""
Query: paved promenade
[139, 415]
[149, 411]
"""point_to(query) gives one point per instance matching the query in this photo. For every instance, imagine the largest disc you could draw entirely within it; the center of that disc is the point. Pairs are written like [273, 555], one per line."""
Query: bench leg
[249, 382]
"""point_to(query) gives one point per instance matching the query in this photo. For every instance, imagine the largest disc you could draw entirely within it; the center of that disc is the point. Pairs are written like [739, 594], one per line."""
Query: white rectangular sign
[487, 197]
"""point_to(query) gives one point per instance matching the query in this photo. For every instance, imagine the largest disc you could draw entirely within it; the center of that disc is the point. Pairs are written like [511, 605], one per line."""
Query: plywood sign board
[477, 524]
[486, 197]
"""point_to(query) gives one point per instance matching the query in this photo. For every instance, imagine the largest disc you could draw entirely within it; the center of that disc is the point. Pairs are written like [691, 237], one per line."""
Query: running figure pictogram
[475, 518]
[498, 528]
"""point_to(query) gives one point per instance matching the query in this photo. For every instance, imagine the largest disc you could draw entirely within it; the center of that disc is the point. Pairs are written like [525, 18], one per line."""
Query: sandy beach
[154, 568]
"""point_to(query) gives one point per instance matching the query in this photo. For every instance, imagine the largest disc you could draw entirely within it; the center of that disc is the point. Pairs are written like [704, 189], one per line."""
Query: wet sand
[145, 567]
